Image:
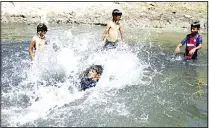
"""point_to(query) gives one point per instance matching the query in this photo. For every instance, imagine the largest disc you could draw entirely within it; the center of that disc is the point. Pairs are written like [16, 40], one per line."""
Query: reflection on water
[143, 84]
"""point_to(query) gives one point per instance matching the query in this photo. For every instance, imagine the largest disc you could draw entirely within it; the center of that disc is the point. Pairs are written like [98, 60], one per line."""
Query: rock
[58, 21]
[152, 4]
[188, 16]
[101, 24]
[22, 16]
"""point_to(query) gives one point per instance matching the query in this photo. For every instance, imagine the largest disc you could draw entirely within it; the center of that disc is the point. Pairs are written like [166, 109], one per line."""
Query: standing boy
[193, 42]
[112, 29]
[39, 40]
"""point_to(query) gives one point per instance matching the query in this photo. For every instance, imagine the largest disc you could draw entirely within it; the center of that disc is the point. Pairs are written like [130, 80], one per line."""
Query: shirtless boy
[39, 40]
[111, 31]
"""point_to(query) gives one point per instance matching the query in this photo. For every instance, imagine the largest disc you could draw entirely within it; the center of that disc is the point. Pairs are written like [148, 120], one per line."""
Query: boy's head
[95, 71]
[195, 27]
[116, 14]
[42, 28]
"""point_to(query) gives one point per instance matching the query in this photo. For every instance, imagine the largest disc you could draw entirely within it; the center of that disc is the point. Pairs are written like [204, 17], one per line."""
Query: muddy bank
[135, 14]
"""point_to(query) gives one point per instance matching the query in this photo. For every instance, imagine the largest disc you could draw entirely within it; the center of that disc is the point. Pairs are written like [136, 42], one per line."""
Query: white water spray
[55, 76]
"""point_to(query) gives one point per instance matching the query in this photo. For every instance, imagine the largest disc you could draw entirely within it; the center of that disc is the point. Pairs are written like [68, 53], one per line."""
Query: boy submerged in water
[91, 76]
[193, 42]
[112, 29]
[39, 40]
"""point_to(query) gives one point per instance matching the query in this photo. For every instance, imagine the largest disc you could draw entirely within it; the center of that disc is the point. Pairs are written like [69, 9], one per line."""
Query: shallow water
[143, 84]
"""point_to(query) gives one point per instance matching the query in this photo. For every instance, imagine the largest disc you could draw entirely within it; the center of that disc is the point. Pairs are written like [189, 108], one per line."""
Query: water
[143, 83]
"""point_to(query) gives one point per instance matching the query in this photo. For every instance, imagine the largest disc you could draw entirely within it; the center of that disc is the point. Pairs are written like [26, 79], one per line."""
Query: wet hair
[97, 68]
[42, 27]
[196, 25]
[116, 12]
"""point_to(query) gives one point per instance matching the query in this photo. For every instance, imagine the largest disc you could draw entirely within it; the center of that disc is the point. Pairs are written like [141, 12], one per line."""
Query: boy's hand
[122, 39]
[192, 51]
[32, 57]
[103, 37]
[177, 49]
[33, 60]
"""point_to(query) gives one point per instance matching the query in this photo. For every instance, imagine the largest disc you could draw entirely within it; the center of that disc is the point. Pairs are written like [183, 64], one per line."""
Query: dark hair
[42, 27]
[195, 24]
[116, 12]
[97, 68]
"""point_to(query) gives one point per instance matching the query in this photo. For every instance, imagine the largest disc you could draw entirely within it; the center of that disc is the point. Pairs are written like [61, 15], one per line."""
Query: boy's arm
[194, 49]
[178, 47]
[200, 43]
[180, 44]
[32, 43]
[121, 29]
[198, 47]
[106, 30]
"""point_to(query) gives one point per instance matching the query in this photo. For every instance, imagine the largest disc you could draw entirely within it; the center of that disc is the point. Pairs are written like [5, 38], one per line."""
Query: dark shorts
[110, 45]
[189, 57]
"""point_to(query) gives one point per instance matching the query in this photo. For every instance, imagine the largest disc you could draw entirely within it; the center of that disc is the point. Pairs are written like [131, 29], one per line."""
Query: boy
[193, 42]
[112, 29]
[39, 40]
[91, 77]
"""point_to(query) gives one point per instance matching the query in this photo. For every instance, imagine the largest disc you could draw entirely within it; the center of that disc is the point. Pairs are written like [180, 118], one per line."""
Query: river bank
[169, 15]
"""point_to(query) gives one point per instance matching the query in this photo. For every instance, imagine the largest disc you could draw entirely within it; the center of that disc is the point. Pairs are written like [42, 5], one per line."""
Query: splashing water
[52, 81]
[141, 85]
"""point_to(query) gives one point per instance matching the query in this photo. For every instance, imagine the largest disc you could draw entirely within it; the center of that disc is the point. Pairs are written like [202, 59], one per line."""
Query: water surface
[144, 83]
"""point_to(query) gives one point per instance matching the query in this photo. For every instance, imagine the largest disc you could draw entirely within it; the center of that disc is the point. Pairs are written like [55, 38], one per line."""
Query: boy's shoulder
[109, 22]
[34, 37]
[121, 23]
[199, 34]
